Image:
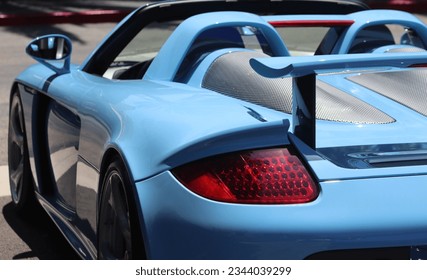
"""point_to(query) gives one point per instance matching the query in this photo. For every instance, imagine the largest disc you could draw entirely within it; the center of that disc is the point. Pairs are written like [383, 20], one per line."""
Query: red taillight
[311, 23]
[422, 65]
[271, 176]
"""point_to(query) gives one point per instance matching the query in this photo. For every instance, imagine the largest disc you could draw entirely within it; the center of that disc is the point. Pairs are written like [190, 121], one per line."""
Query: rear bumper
[392, 253]
[350, 214]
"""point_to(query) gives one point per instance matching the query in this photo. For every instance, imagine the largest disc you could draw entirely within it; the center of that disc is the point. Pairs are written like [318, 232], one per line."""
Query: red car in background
[416, 6]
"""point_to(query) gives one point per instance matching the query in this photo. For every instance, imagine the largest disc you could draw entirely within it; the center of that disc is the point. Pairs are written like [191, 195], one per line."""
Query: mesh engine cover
[405, 87]
[232, 75]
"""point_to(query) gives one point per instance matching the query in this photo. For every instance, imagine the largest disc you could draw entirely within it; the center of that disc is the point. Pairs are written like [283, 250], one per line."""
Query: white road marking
[4, 181]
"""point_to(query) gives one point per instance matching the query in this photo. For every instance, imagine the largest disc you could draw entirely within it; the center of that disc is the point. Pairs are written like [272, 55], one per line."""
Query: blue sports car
[230, 130]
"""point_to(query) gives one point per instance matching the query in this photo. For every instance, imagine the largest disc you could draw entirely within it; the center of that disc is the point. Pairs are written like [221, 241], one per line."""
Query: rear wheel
[20, 178]
[118, 230]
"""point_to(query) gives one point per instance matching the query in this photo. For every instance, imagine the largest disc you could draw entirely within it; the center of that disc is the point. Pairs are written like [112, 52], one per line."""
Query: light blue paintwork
[296, 67]
[348, 214]
[165, 66]
[198, 75]
[361, 20]
[159, 103]
[156, 125]
[376, 17]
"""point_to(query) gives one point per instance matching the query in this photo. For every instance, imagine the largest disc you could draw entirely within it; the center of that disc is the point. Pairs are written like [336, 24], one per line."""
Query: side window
[135, 58]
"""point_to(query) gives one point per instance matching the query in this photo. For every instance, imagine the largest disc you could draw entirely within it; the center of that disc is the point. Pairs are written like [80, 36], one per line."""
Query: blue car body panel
[75, 119]
[374, 17]
[281, 232]
[164, 67]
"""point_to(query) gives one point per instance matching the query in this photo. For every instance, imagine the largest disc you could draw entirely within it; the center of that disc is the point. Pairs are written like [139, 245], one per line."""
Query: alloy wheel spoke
[17, 134]
[17, 138]
[115, 237]
[16, 178]
[120, 205]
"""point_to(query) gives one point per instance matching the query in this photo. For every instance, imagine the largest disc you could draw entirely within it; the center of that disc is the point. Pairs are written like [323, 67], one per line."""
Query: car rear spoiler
[304, 70]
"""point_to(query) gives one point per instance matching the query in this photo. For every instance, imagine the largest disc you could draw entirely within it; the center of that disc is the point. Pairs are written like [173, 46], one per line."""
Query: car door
[55, 127]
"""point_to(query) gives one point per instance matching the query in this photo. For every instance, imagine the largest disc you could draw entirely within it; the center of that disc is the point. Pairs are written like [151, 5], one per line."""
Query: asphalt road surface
[33, 237]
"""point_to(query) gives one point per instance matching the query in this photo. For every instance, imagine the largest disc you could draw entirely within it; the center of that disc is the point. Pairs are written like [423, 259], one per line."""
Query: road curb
[91, 16]
[4, 181]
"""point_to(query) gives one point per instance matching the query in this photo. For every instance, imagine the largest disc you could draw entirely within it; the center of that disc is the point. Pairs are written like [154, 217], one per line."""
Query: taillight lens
[421, 65]
[269, 176]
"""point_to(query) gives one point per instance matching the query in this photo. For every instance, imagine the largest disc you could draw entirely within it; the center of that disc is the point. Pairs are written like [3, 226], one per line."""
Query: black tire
[119, 235]
[20, 177]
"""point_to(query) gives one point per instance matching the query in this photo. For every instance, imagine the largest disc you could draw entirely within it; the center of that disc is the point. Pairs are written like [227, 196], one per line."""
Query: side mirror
[53, 51]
